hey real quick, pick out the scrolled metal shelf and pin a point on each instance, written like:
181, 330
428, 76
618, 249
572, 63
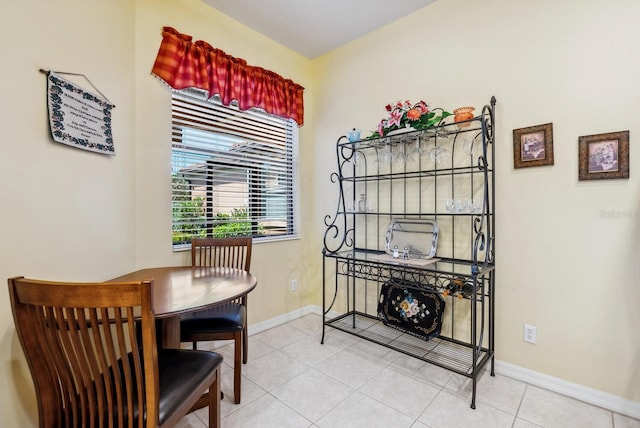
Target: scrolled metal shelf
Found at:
465, 269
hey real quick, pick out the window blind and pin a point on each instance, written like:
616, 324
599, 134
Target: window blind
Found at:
233, 172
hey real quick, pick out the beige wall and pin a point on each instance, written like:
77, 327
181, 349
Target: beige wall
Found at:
75, 215
566, 250
66, 213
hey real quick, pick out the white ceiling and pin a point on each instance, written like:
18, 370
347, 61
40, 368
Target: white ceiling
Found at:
314, 27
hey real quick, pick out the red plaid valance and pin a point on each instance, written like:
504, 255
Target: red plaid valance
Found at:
186, 64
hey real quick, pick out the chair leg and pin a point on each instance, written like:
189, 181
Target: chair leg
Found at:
214, 402
237, 365
195, 345
245, 345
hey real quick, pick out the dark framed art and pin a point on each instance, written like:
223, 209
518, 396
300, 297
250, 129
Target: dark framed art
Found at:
533, 146
603, 156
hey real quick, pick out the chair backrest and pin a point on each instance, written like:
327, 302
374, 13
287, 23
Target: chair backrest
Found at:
87, 363
223, 252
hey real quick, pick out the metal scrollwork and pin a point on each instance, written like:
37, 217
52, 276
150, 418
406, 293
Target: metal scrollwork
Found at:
482, 225
338, 233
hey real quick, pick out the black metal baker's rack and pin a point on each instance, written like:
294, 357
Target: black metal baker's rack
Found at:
443, 173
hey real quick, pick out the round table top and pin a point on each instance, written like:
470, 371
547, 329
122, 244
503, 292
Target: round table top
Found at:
182, 289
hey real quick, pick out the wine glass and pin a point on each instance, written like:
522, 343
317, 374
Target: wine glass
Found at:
417, 151
401, 156
439, 154
357, 158
385, 155
468, 145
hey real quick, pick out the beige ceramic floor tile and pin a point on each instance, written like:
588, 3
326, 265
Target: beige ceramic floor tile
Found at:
451, 410
403, 392
521, 423
265, 412
213, 345
312, 394
361, 411
310, 351
552, 410
621, 421
350, 368
339, 338
256, 350
372, 351
249, 392
273, 370
418, 424
311, 324
280, 336
497, 391
425, 371
191, 421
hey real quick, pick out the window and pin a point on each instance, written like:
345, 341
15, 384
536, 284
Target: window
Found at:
233, 172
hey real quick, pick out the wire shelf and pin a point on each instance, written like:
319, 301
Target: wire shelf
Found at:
451, 355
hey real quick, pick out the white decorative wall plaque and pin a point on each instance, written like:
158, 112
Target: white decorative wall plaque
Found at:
79, 118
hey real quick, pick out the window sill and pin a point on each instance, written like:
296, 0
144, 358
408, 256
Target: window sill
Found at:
256, 241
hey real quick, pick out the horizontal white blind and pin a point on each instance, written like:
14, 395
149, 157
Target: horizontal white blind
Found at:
232, 171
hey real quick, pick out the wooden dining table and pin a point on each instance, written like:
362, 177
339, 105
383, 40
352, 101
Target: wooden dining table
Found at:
180, 290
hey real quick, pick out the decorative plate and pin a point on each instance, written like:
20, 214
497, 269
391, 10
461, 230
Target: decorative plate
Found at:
412, 309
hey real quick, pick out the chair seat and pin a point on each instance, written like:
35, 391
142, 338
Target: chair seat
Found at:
219, 319
195, 369
179, 373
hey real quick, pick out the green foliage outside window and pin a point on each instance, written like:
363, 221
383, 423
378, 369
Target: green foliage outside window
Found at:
234, 224
190, 220
188, 213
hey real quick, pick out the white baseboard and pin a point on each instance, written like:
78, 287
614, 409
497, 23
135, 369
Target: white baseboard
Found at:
281, 319
573, 390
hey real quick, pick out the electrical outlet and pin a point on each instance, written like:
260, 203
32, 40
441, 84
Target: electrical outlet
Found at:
530, 333
294, 285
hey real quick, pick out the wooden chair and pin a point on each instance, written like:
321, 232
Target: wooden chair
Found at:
225, 322
91, 369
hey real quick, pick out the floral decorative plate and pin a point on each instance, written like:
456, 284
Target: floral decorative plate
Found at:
412, 309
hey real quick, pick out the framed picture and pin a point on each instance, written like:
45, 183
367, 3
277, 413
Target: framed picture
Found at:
603, 156
533, 146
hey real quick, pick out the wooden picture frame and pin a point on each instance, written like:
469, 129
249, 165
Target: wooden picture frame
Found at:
603, 156
533, 146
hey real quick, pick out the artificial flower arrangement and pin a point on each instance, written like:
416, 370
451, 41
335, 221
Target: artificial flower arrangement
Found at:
407, 115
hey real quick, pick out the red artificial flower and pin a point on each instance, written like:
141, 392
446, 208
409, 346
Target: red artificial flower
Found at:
414, 114
403, 113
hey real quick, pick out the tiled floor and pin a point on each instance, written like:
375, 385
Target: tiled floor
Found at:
291, 380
